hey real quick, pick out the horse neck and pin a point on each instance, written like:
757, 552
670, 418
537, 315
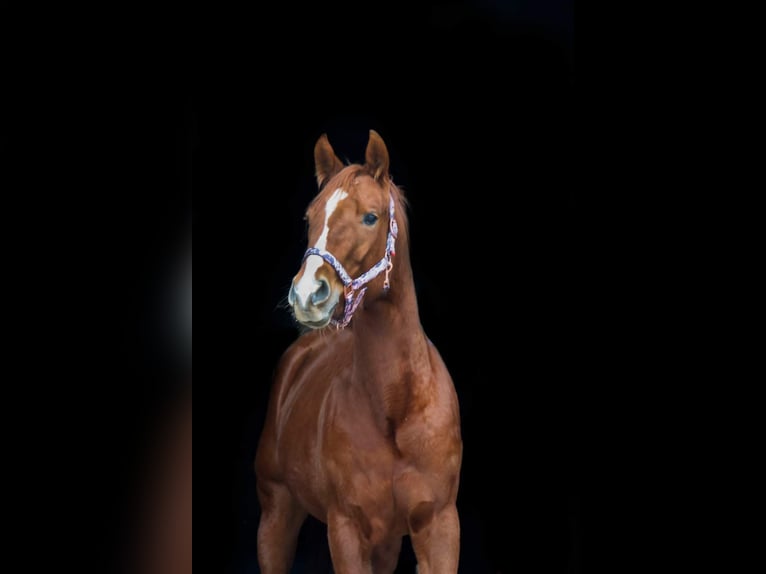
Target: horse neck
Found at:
390, 346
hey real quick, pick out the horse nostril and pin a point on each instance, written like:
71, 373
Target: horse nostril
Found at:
291, 294
322, 293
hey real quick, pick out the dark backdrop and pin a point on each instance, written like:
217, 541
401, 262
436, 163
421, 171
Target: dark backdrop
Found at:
476, 103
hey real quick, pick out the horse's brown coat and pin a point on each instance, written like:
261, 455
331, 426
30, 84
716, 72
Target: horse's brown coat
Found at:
363, 426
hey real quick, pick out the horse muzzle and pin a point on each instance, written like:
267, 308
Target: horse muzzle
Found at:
314, 304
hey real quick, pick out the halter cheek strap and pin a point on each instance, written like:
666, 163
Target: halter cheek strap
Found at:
354, 289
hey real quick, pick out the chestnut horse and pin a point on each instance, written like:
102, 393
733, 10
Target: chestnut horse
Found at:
363, 426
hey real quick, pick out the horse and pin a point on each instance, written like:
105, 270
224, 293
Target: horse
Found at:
362, 429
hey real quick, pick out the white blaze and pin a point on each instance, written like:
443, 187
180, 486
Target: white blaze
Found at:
308, 282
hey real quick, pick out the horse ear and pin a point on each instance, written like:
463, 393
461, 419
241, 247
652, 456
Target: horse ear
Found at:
326, 162
376, 156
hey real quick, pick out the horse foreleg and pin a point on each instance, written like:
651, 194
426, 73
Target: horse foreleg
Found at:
281, 520
435, 538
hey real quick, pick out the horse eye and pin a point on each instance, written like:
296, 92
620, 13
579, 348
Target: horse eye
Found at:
369, 219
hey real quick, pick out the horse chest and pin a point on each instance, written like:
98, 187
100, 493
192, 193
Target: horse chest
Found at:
341, 454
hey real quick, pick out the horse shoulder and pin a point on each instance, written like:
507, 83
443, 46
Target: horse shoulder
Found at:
440, 415
430, 439
290, 376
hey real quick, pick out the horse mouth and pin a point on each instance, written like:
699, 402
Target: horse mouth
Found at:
316, 324
322, 322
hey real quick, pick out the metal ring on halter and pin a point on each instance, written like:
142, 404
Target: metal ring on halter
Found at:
386, 283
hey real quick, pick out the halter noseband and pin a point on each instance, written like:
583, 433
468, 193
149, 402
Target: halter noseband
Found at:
354, 289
